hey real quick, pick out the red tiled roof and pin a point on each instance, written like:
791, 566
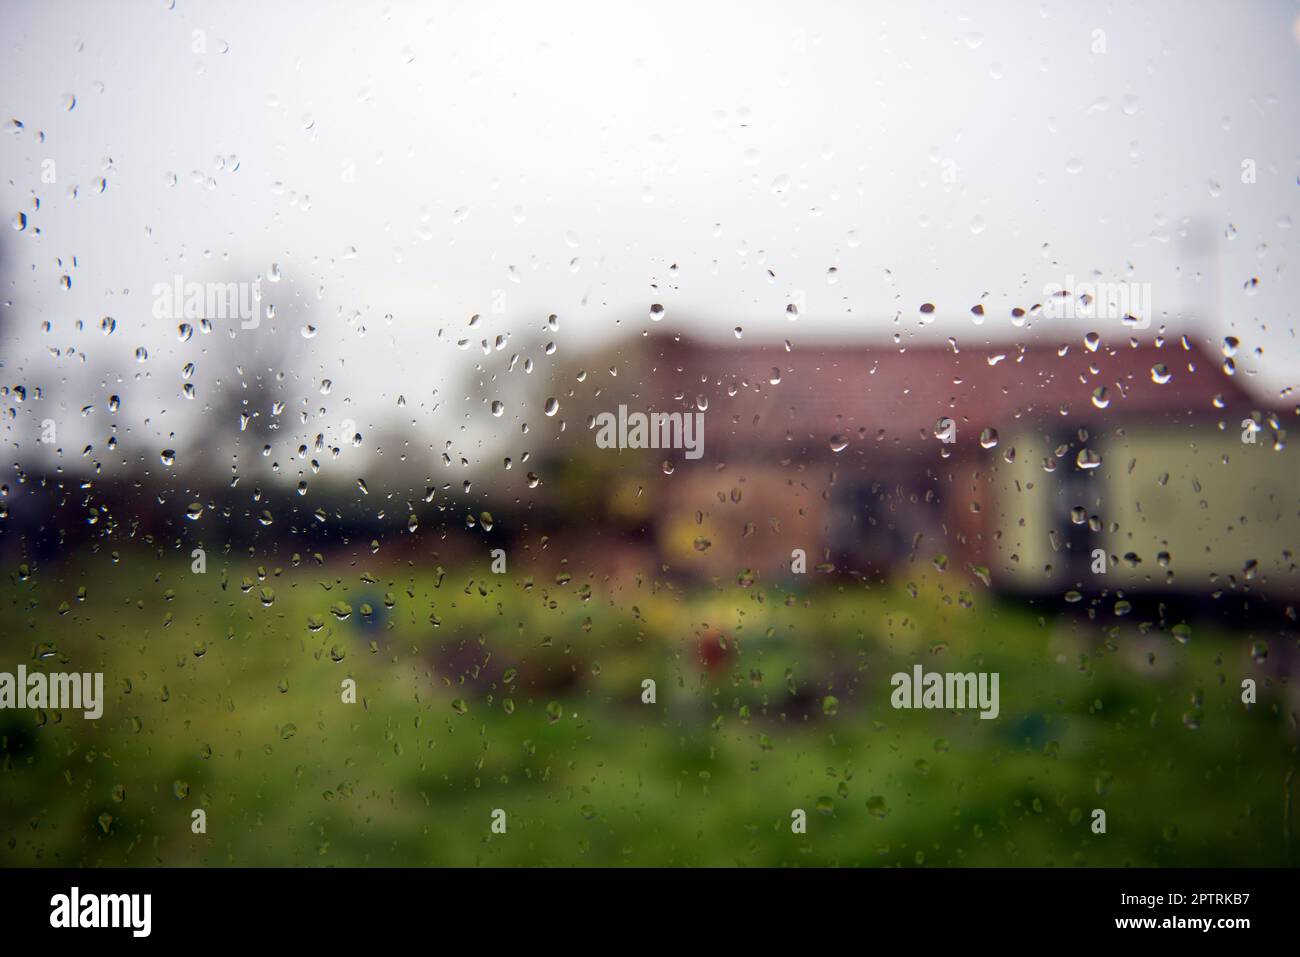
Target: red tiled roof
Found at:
892, 398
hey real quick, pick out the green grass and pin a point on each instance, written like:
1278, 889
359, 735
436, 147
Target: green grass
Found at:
218, 701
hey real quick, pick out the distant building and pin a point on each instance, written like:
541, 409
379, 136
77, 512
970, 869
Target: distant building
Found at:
1019, 464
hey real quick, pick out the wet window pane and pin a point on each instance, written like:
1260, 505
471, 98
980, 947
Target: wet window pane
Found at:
668, 434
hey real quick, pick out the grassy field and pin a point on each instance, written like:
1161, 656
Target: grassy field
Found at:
478, 692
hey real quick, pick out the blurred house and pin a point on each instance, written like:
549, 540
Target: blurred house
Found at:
1013, 464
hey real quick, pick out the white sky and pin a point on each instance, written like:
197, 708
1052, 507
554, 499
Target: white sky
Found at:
558, 158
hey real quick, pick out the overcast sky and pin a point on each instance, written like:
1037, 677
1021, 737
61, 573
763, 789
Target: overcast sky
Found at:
405, 166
